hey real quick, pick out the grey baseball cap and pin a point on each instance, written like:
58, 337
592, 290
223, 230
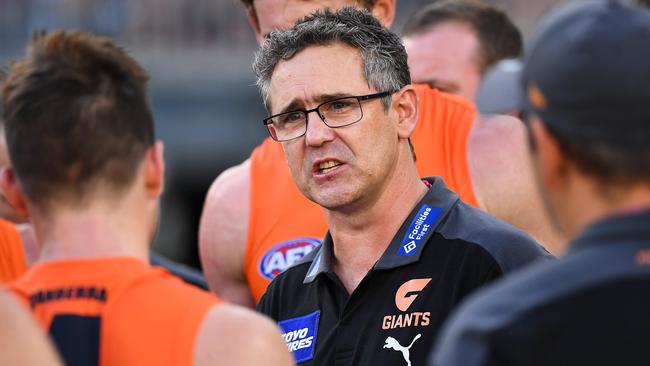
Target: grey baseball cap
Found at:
500, 91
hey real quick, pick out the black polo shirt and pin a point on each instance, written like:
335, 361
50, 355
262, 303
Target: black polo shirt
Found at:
592, 307
443, 251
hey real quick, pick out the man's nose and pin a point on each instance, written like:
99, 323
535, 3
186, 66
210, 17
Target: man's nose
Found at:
317, 131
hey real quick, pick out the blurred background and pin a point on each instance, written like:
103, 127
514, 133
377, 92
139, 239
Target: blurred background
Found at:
198, 53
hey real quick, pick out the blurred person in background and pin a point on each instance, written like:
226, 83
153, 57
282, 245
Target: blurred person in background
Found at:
13, 260
6, 211
585, 85
93, 200
499, 90
18, 247
256, 223
22, 341
400, 252
451, 43
266, 16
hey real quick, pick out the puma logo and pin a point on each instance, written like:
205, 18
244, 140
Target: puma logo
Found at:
406, 351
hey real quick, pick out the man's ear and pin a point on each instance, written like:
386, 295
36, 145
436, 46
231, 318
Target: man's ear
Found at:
405, 102
553, 167
384, 11
252, 20
154, 170
13, 192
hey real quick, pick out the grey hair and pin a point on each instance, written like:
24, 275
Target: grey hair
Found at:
384, 58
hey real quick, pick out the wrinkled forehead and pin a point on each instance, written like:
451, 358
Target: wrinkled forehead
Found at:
315, 74
283, 14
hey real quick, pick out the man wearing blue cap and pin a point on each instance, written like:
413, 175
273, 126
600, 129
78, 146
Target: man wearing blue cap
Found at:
586, 88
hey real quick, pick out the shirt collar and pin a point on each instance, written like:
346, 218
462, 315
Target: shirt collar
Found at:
627, 227
322, 260
431, 211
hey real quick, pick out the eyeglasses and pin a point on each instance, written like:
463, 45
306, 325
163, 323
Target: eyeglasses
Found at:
335, 113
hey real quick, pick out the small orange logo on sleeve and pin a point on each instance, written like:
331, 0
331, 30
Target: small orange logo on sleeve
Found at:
408, 292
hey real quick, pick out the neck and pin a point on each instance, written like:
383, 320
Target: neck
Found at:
601, 205
92, 232
361, 236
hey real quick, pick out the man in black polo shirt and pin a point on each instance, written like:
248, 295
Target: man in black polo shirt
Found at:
400, 252
587, 85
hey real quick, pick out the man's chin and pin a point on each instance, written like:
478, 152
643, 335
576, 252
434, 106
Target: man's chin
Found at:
333, 200
331, 195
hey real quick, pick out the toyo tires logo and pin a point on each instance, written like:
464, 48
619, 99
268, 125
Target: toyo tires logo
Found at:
283, 255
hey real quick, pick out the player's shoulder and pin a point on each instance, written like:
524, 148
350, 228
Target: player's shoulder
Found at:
537, 288
10, 237
267, 150
430, 96
509, 247
159, 283
498, 135
224, 206
519, 288
230, 319
468, 333
7, 226
233, 335
231, 179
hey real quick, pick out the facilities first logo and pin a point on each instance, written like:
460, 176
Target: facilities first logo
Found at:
418, 230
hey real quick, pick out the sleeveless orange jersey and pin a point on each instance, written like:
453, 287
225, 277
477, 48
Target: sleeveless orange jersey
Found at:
283, 225
115, 311
12, 257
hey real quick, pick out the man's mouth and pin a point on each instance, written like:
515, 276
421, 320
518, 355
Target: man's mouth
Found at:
327, 166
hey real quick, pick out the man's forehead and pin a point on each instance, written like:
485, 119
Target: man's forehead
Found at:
453, 34
283, 14
449, 46
317, 70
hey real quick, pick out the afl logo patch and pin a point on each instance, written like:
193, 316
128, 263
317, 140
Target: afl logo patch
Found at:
283, 255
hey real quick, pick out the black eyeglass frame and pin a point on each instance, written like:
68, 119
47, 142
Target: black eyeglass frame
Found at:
268, 120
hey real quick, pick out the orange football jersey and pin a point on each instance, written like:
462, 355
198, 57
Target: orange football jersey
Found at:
115, 311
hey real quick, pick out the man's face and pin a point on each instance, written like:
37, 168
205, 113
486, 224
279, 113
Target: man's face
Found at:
283, 14
345, 166
7, 212
545, 156
447, 58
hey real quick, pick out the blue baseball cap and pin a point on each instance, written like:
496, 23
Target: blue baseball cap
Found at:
586, 72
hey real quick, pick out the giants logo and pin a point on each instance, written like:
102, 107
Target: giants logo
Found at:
283, 255
404, 298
